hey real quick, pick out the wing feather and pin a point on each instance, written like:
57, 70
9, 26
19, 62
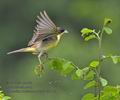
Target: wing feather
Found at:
42, 21
44, 18
44, 27
47, 17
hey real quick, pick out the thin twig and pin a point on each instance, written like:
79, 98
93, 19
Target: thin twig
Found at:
98, 70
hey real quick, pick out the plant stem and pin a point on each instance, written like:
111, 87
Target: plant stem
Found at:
98, 70
100, 50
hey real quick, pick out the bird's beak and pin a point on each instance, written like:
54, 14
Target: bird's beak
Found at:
65, 31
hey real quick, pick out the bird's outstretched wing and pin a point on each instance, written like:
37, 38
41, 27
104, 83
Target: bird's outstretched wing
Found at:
44, 27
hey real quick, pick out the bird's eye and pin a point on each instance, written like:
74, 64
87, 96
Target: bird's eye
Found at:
62, 30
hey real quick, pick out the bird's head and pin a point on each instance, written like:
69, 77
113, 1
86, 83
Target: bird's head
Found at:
61, 31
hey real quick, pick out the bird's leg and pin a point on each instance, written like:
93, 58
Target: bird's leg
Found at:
39, 69
46, 55
39, 57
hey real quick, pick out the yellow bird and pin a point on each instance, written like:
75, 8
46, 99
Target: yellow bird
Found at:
46, 35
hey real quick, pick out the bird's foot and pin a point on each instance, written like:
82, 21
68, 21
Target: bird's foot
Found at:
39, 70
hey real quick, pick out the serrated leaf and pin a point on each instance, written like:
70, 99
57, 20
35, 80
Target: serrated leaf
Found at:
92, 36
94, 64
86, 31
90, 84
103, 81
107, 21
108, 30
88, 96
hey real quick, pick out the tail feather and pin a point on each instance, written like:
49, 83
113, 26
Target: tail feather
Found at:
28, 49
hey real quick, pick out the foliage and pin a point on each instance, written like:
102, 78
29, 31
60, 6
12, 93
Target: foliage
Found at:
61, 65
3, 96
18, 20
91, 73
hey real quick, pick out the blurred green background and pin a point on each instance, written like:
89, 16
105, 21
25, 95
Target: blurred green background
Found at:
17, 21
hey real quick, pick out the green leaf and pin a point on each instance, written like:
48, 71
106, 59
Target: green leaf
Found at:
107, 21
84, 74
90, 84
110, 90
108, 97
103, 81
115, 59
1, 91
67, 68
6, 98
108, 30
3, 97
86, 70
89, 75
56, 64
88, 96
90, 37
75, 77
111, 93
61, 65
86, 31
1, 94
77, 74
87, 34
94, 64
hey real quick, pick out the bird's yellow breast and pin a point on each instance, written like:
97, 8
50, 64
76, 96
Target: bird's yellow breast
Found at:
51, 42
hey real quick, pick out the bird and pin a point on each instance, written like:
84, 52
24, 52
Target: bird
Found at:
46, 35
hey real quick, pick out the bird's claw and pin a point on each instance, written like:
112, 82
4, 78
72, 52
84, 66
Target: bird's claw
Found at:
39, 69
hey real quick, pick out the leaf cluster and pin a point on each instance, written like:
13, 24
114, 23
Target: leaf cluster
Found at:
3, 96
91, 72
89, 34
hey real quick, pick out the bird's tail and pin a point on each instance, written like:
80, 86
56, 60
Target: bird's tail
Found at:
28, 49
